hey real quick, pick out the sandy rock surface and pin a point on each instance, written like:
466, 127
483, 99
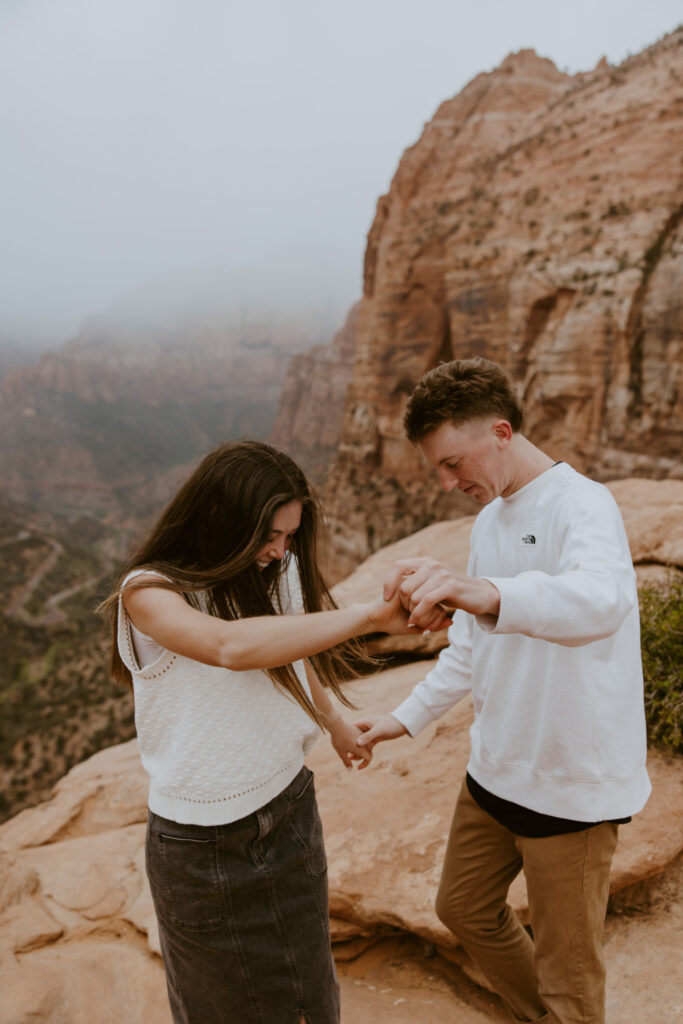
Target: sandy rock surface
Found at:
78, 940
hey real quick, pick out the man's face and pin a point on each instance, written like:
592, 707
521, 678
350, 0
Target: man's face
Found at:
470, 457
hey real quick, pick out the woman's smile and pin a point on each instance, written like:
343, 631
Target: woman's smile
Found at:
286, 522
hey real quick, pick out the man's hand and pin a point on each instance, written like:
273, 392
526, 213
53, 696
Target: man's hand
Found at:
376, 728
344, 738
431, 591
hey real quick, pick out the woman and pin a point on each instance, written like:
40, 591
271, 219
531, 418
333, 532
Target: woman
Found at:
226, 708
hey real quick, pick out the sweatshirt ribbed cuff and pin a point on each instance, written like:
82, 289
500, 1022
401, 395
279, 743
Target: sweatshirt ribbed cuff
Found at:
413, 715
515, 606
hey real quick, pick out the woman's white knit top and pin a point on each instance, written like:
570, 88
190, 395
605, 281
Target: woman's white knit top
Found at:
216, 744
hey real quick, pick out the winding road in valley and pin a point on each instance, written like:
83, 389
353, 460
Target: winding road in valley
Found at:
23, 594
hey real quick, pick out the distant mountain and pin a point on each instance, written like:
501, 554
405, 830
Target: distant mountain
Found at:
101, 423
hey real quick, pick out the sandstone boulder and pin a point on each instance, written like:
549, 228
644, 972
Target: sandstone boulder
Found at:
653, 516
107, 791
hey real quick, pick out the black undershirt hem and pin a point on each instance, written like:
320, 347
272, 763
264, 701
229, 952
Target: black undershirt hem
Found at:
524, 822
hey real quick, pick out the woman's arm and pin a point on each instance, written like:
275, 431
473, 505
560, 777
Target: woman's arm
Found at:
264, 641
343, 735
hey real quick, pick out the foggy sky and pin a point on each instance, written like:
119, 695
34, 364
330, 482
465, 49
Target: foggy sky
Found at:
208, 149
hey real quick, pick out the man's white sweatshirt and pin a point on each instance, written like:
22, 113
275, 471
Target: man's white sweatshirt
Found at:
556, 679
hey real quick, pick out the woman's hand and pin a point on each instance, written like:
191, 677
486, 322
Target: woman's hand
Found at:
343, 735
387, 615
344, 739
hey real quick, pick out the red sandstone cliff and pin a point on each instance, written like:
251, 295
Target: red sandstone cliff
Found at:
313, 398
537, 221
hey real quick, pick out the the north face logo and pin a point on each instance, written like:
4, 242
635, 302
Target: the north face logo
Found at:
528, 538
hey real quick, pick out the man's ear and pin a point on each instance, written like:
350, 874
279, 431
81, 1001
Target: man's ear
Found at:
502, 432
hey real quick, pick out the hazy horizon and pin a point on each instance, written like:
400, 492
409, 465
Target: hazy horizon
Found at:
167, 156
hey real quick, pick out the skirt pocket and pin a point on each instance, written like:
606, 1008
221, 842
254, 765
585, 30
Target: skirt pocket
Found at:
185, 879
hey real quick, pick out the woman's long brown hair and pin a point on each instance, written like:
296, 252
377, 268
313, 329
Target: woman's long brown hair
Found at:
207, 539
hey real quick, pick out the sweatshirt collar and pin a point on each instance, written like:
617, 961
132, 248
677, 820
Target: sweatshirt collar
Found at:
531, 486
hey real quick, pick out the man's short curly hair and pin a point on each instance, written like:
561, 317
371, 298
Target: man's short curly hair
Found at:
462, 390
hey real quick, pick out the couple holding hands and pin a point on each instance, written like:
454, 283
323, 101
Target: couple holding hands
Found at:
231, 692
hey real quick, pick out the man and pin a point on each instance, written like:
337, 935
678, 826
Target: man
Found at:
546, 636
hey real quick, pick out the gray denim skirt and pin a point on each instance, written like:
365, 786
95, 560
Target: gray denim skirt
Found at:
243, 914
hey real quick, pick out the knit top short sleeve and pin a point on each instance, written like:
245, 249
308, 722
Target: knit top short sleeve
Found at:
216, 744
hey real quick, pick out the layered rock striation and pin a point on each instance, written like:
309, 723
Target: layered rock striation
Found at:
537, 222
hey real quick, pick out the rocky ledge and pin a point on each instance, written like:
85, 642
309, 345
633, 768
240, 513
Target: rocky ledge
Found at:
78, 936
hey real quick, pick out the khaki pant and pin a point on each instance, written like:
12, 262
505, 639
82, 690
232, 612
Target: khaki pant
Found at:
559, 977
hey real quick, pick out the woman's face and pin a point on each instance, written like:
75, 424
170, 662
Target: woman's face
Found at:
285, 523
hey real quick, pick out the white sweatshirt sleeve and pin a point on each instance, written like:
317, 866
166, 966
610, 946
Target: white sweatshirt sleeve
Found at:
593, 590
448, 682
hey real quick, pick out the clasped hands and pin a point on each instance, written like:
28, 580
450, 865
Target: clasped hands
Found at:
431, 593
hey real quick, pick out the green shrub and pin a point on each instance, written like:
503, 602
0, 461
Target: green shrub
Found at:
661, 630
